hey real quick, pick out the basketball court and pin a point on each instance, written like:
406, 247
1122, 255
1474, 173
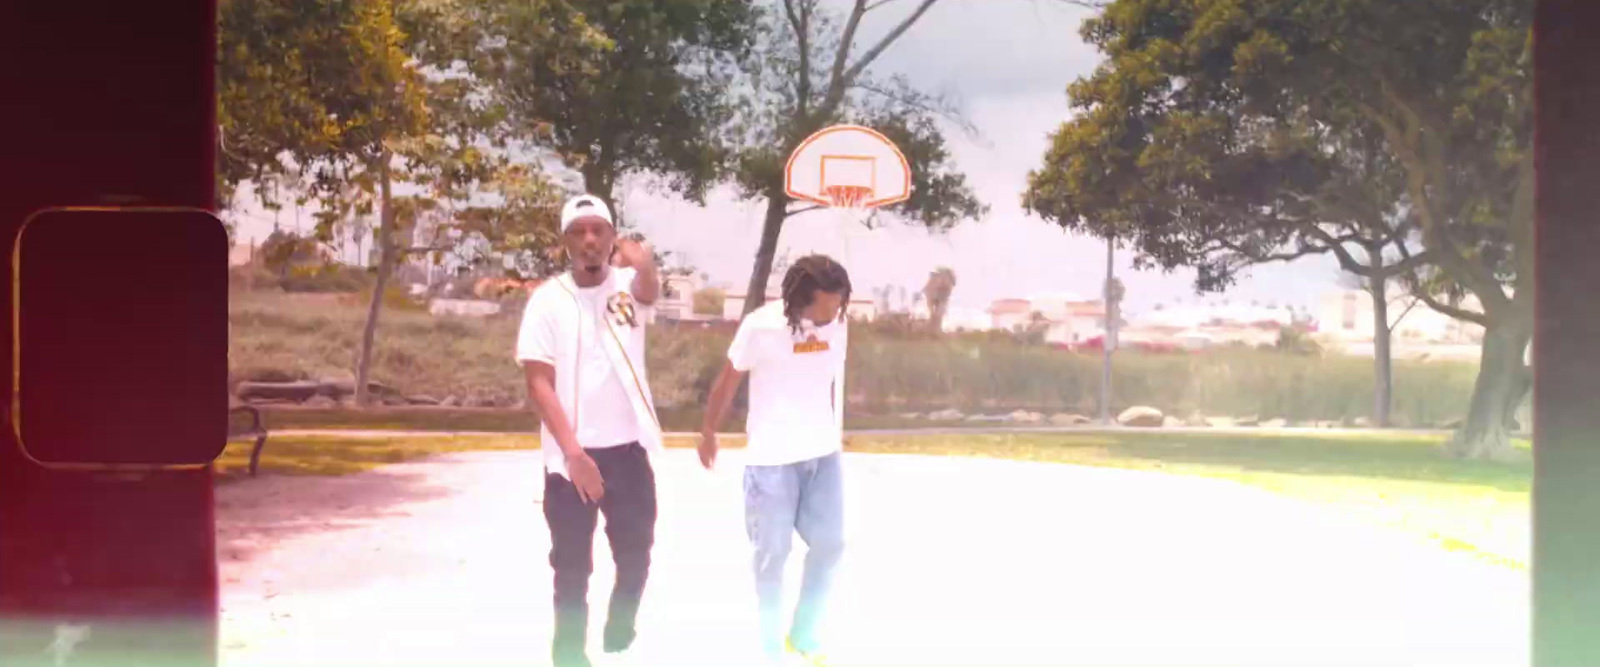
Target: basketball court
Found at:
950, 562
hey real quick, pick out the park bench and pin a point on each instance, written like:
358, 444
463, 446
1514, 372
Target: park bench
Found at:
244, 422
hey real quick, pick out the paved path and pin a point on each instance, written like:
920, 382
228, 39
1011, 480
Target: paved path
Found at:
952, 562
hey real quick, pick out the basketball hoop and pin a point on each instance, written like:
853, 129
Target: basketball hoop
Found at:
851, 170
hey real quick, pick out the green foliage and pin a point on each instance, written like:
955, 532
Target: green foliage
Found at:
333, 98
1225, 133
1293, 340
284, 252
639, 87
1248, 127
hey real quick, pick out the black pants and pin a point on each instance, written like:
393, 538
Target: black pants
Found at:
629, 506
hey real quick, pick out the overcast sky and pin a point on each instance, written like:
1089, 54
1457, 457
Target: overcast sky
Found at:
1008, 62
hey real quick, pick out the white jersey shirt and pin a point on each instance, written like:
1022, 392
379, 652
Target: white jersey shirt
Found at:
796, 385
595, 339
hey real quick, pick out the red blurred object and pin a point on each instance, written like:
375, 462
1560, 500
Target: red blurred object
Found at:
111, 105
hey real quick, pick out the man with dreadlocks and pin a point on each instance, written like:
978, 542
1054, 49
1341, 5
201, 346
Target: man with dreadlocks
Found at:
794, 351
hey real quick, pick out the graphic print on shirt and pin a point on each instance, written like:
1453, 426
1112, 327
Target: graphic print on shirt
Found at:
621, 310
806, 342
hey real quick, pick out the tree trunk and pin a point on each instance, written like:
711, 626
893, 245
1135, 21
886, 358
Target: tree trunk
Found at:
385, 250
1501, 384
597, 181
1382, 354
777, 212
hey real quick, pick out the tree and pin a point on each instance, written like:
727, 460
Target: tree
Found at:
1377, 285
647, 94
373, 99
1269, 129
941, 282
808, 74
283, 253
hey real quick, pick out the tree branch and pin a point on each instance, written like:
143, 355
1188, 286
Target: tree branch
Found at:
1421, 292
919, 103
842, 77
836, 81
1256, 257
1448, 310
1522, 235
1404, 313
799, 20
1408, 263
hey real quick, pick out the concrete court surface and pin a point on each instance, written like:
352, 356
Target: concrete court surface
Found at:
950, 562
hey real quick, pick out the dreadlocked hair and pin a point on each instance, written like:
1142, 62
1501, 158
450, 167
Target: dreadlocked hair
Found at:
805, 278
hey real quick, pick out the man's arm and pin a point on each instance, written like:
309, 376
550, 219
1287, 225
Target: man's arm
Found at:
647, 282
721, 398
542, 390
637, 255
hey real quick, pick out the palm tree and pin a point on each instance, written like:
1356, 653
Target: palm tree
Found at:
941, 282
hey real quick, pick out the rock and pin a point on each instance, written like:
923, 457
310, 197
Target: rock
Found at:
280, 391
478, 401
1141, 416
392, 400
1025, 417
1248, 422
1361, 422
422, 399
338, 388
1197, 420
269, 375
1220, 422
1274, 423
450, 402
322, 402
1172, 422
947, 416
1068, 419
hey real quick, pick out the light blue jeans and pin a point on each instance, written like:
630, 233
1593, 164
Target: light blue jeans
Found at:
805, 497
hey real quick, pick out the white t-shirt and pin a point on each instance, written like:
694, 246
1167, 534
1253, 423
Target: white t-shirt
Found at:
563, 326
796, 386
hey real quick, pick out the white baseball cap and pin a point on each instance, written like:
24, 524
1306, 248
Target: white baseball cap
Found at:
584, 206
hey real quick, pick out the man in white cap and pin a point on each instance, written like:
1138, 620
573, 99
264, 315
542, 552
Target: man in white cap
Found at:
582, 345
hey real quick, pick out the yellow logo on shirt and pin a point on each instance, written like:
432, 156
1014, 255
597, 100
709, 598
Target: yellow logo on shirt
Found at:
810, 345
620, 306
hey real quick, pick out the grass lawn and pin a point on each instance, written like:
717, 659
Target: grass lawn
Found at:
340, 455
1481, 508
